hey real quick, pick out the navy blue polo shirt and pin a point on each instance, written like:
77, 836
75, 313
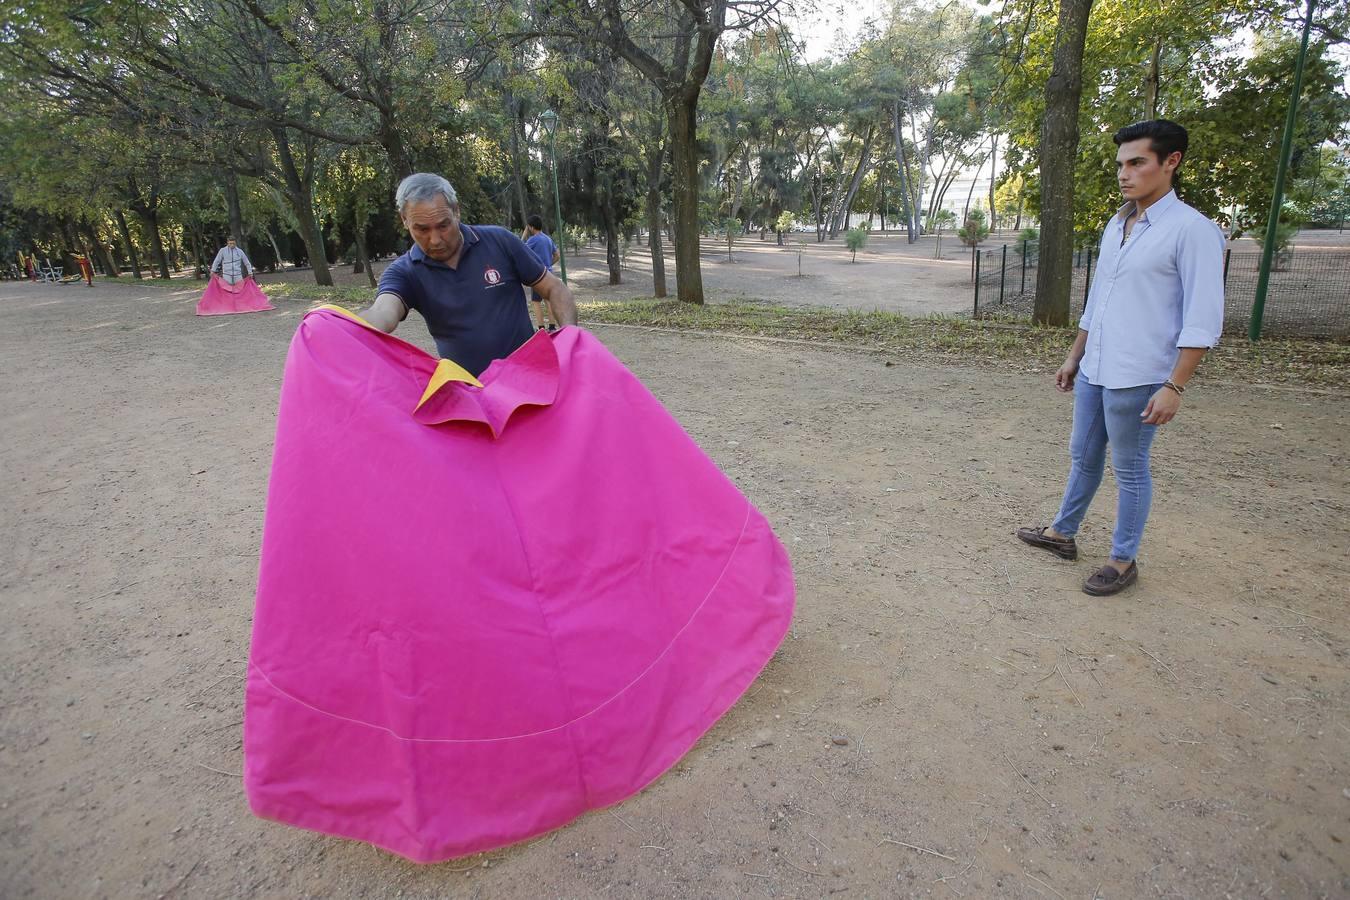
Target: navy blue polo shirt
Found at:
475, 312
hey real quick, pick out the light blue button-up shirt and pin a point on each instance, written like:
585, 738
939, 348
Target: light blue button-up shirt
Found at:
1161, 290
233, 263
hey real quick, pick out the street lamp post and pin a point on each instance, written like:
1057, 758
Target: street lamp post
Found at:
550, 120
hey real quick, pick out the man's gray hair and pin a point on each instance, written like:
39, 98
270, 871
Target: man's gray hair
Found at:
423, 187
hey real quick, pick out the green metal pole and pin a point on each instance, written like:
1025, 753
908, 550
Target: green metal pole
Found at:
557, 203
1023, 288
1003, 274
1277, 199
976, 265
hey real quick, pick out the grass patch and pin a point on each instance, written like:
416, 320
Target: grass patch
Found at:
939, 338
350, 296
1023, 346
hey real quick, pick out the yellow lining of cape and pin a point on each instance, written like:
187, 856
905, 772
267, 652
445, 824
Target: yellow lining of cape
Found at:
447, 370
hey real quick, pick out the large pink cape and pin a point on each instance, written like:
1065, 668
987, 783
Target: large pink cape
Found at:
222, 299
485, 610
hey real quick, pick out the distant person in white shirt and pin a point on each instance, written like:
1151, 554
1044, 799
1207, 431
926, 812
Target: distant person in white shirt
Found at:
232, 264
1155, 307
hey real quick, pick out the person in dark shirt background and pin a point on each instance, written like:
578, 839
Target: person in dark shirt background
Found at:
543, 247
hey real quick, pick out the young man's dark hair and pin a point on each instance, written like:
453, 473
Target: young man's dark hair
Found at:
1165, 137
536, 222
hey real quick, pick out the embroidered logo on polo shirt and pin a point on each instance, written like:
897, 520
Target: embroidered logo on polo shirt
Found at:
492, 276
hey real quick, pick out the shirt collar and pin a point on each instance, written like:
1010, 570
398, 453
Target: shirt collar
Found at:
1151, 214
468, 233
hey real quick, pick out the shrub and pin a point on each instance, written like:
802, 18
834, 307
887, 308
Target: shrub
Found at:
976, 229
855, 239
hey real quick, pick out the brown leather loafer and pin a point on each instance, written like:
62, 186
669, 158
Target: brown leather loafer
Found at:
1107, 581
1065, 548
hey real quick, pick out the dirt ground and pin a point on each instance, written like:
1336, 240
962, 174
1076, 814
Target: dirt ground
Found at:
889, 274
1007, 735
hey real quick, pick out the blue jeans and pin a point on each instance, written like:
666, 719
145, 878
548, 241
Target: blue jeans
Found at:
1112, 416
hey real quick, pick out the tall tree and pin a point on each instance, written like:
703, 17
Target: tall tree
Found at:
1058, 151
672, 46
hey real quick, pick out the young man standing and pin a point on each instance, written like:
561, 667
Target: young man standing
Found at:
1155, 307
231, 263
542, 246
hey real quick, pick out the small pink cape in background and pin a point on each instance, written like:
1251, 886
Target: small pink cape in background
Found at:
484, 610
223, 299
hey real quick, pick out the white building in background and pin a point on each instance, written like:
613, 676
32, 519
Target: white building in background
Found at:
971, 185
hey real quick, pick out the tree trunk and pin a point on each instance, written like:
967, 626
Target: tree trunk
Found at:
233, 210
680, 111
72, 245
100, 252
881, 187
921, 156
1059, 151
150, 217
517, 173
611, 240
818, 203
205, 253
115, 253
195, 247
841, 217
940, 196
836, 198
817, 206
276, 251
1151, 81
112, 251
993, 180
301, 198
388, 136
970, 194
362, 257
131, 245
742, 174
654, 158
387, 133
906, 196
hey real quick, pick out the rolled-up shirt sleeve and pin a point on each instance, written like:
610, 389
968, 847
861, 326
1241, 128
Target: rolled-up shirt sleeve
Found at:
396, 279
1086, 317
1200, 249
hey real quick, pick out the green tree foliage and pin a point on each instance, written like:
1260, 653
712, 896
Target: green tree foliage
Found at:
975, 230
1177, 60
148, 130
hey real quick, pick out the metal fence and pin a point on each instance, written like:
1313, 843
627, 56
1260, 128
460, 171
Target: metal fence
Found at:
1308, 296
